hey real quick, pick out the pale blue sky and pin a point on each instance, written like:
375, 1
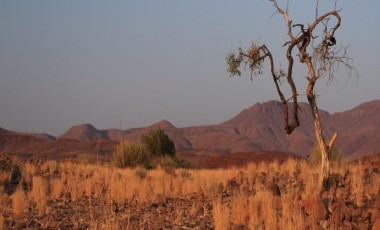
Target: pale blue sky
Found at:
125, 64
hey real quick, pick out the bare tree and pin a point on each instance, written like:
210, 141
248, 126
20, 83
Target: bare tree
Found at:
316, 46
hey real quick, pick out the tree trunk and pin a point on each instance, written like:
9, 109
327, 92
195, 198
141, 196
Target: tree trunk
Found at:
325, 163
325, 150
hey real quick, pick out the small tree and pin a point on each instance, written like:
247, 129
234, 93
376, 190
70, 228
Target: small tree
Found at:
316, 47
158, 143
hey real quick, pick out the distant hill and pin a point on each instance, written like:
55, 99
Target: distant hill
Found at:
39, 135
32, 145
84, 132
359, 129
255, 129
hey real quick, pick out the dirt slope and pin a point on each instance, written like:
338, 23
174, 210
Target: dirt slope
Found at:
258, 128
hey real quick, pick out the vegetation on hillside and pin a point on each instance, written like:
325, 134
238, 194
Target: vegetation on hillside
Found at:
154, 149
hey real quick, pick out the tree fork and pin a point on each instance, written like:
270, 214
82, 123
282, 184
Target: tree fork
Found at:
320, 62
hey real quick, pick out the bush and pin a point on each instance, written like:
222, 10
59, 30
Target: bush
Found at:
167, 162
158, 143
155, 149
335, 156
131, 154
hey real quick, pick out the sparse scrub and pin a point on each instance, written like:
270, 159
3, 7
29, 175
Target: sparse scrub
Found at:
257, 196
155, 149
335, 157
131, 154
57, 188
19, 201
221, 215
39, 193
170, 163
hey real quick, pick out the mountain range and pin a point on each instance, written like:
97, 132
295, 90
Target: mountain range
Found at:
255, 129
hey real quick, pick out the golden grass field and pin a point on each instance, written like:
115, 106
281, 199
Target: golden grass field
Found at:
79, 195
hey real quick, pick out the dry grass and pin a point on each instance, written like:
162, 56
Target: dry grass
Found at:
1, 221
19, 201
5, 175
39, 193
251, 200
221, 215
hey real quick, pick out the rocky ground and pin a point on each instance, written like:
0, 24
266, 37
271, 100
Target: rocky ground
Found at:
89, 213
337, 206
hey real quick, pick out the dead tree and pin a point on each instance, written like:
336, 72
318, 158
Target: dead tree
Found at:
315, 44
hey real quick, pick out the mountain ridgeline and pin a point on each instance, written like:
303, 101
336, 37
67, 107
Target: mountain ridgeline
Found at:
258, 128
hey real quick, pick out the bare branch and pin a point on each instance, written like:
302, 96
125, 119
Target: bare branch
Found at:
287, 7
316, 9
332, 141
322, 58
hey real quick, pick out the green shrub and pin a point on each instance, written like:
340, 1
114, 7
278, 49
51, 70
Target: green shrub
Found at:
167, 162
158, 143
155, 149
131, 154
335, 157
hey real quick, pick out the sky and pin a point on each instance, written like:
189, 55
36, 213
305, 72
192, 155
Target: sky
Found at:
126, 64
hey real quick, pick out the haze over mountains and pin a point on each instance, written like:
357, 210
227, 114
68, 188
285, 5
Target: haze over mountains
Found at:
258, 128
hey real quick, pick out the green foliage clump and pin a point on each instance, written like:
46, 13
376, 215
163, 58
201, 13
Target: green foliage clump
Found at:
158, 143
233, 64
154, 149
335, 157
131, 154
173, 162
253, 58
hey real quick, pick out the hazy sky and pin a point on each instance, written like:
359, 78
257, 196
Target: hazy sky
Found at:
125, 64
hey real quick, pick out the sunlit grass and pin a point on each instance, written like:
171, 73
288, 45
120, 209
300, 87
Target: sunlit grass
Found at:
239, 196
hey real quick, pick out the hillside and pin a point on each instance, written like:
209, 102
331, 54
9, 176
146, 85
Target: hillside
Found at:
255, 129
27, 146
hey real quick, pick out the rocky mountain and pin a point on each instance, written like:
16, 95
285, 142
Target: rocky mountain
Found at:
84, 132
359, 129
258, 128
31, 145
39, 135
